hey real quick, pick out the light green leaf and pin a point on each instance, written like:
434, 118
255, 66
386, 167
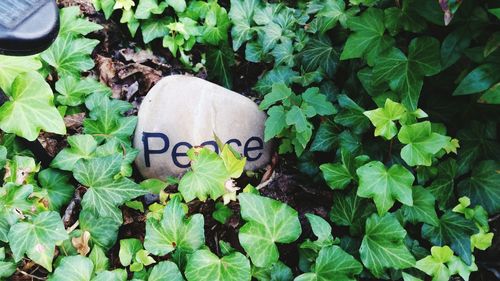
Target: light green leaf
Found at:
421, 143
73, 91
71, 22
453, 230
333, 264
296, 117
383, 245
7, 269
457, 266
318, 101
99, 259
80, 147
434, 264
203, 265
385, 185
30, 108
165, 271
174, 231
268, 222
105, 193
73, 268
178, 5
206, 177
128, 249
38, 238
383, 118
11, 67
154, 28
422, 209
103, 230
275, 123
241, 15
115, 275
216, 26
279, 92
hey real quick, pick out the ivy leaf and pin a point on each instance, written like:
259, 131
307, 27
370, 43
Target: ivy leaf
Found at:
478, 80
99, 259
351, 115
268, 221
333, 264
405, 74
73, 91
106, 118
105, 193
203, 265
320, 54
422, 209
30, 108
72, 23
154, 28
337, 175
70, 56
206, 177
56, 184
174, 231
11, 67
216, 26
350, 210
385, 185
318, 101
13, 198
421, 143
117, 274
453, 230
241, 15
165, 271
434, 264
103, 230
277, 271
326, 137
383, 245
383, 118
297, 117
483, 187
275, 123
368, 40
405, 18
73, 268
276, 75
279, 92
219, 63
80, 147
37, 238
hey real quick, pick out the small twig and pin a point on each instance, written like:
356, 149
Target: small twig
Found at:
73, 227
30, 275
71, 206
265, 183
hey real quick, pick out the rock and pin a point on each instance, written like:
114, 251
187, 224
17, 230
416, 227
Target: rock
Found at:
183, 111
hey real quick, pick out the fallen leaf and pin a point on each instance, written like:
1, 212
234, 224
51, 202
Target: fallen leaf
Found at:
81, 243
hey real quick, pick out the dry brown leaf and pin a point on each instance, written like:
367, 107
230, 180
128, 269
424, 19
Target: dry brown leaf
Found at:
81, 243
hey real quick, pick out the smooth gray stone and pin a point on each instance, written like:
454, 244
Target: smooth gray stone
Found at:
183, 110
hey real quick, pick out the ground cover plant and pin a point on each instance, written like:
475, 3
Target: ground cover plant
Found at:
384, 114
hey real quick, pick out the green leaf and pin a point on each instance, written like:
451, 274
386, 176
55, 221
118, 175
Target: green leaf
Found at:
453, 230
318, 101
405, 18
326, 137
405, 74
483, 187
319, 54
280, 74
178, 5
336, 175
70, 56
128, 249
115, 275
37, 238
222, 213
278, 271
478, 80
279, 92
206, 177
442, 187
241, 15
492, 95
422, 209
71, 22
203, 265
56, 184
80, 147
351, 115
421, 143
30, 108
216, 26
275, 123
368, 40
219, 63
383, 245
297, 117
333, 264
320, 228
454, 45
103, 230
105, 193
385, 185
99, 259
7, 269
11, 67
268, 222
154, 28
73, 268
383, 118
165, 271
434, 264
174, 231
350, 210
73, 91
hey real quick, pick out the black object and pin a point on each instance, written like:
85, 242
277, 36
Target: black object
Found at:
27, 27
